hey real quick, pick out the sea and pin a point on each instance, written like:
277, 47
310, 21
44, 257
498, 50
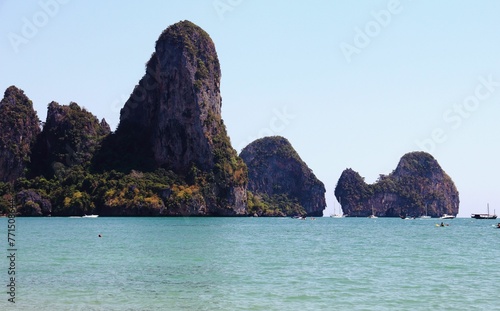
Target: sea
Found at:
208, 263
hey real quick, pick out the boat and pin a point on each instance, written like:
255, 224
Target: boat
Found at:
335, 215
425, 216
442, 225
373, 214
446, 216
90, 216
485, 216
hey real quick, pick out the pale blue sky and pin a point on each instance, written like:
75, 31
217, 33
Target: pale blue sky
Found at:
350, 83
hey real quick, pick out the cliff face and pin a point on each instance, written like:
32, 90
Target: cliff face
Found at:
19, 126
279, 177
71, 136
172, 120
418, 186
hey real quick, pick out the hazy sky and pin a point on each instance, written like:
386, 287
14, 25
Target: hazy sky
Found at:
351, 84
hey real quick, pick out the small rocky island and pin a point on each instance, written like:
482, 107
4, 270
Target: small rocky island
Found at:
280, 183
417, 187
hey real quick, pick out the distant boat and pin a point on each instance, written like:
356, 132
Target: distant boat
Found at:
90, 216
335, 215
446, 216
485, 216
373, 214
425, 216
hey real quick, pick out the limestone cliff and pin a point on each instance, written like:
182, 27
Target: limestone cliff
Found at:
19, 126
71, 136
172, 120
279, 177
417, 186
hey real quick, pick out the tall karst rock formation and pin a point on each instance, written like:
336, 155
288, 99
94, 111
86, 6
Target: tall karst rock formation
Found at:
19, 126
172, 120
418, 186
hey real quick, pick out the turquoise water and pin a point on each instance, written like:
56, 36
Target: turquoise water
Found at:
253, 264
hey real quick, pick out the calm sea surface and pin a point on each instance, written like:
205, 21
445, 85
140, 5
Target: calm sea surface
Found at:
252, 264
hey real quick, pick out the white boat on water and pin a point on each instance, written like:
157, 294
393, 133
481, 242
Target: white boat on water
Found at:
446, 216
425, 216
373, 214
335, 215
90, 216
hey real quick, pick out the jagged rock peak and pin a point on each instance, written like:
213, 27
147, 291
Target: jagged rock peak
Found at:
417, 187
14, 96
277, 174
71, 136
73, 115
19, 126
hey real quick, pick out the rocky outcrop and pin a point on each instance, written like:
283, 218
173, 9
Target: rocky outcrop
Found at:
418, 186
31, 203
278, 176
71, 136
172, 120
19, 126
